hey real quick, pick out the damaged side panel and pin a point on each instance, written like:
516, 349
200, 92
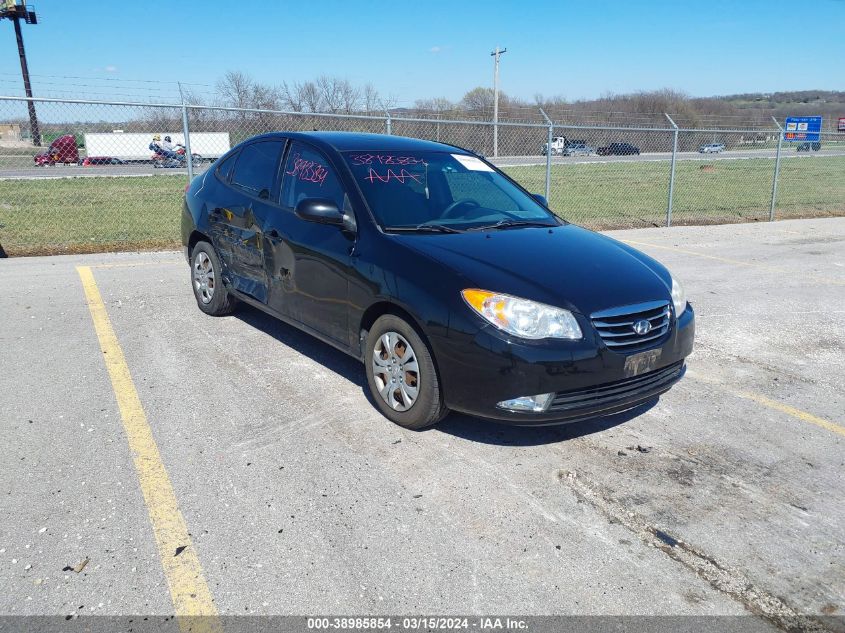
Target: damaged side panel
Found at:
236, 235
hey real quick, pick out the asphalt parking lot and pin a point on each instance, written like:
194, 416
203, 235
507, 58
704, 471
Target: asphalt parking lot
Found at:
134, 425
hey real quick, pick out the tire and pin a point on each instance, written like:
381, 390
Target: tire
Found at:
386, 358
206, 271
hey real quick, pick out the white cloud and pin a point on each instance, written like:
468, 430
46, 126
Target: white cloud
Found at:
110, 69
435, 49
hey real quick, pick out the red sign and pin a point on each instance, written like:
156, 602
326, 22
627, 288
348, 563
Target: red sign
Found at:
842, 124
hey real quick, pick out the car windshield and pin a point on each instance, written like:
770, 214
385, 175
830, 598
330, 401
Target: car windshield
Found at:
439, 191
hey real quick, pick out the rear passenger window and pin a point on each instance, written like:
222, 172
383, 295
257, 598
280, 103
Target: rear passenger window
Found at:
309, 175
256, 168
225, 167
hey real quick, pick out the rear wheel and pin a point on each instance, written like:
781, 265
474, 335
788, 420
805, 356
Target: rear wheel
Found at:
401, 374
207, 283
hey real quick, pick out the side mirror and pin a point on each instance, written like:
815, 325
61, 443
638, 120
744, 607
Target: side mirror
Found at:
541, 199
319, 210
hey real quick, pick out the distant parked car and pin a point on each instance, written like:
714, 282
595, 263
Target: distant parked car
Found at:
579, 150
806, 147
712, 148
61, 150
101, 160
560, 144
618, 149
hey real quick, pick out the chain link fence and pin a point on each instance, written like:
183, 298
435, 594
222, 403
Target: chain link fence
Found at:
110, 175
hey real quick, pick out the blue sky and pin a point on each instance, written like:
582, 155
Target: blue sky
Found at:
574, 48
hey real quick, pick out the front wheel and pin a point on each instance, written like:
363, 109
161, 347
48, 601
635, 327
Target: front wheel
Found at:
207, 283
401, 374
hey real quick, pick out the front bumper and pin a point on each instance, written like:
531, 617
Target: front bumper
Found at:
480, 369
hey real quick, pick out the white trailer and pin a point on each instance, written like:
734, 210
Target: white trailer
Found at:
136, 146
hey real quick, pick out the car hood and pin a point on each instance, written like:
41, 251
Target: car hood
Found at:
566, 266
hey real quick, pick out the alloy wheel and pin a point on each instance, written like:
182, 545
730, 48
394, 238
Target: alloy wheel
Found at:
395, 371
204, 280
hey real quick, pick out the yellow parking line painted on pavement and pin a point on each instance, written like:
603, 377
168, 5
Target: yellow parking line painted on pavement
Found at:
189, 591
739, 262
794, 412
682, 250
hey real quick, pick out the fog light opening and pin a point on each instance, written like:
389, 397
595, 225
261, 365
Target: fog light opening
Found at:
530, 404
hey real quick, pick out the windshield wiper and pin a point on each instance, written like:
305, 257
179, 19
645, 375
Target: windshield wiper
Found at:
507, 223
425, 227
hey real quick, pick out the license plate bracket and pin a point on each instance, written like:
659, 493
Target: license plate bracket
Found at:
642, 362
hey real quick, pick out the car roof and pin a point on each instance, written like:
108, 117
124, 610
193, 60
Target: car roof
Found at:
351, 141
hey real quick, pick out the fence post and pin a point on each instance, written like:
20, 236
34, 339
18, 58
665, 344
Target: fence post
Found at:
548, 155
671, 172
388, 124
777, 170
189, 159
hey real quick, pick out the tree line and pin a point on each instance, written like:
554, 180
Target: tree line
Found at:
336, 95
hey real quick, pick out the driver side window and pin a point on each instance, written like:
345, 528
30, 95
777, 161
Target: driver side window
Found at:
308, 174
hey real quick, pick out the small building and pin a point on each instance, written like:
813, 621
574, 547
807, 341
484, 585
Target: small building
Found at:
10, 132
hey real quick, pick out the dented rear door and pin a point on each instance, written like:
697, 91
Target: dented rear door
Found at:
237, 219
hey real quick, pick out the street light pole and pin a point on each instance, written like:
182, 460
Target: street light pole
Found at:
15, 12
496, 54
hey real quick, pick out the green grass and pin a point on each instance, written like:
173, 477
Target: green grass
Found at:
99, 213
618, 195
90, 214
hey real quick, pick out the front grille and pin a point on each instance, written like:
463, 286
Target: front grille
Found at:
615, 392
616, 326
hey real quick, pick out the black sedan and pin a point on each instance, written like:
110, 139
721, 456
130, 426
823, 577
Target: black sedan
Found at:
618, 149
458, 289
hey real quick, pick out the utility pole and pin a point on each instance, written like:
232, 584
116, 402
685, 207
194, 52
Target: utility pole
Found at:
496, 54
16, 12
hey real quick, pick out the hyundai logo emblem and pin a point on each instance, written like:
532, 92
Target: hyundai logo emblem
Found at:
642, 327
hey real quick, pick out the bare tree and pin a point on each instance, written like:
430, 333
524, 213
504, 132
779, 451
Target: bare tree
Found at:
481, 99
291, 96
264, 97
330, 92
310, 95
236, 89
350, 96
389, 102
371, 98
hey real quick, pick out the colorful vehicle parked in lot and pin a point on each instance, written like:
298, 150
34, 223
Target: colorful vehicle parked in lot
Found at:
63, 150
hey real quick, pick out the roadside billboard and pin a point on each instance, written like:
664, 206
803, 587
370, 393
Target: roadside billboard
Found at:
803, 128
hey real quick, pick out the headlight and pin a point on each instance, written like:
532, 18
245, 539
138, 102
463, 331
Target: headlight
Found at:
521, 317
679, 297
